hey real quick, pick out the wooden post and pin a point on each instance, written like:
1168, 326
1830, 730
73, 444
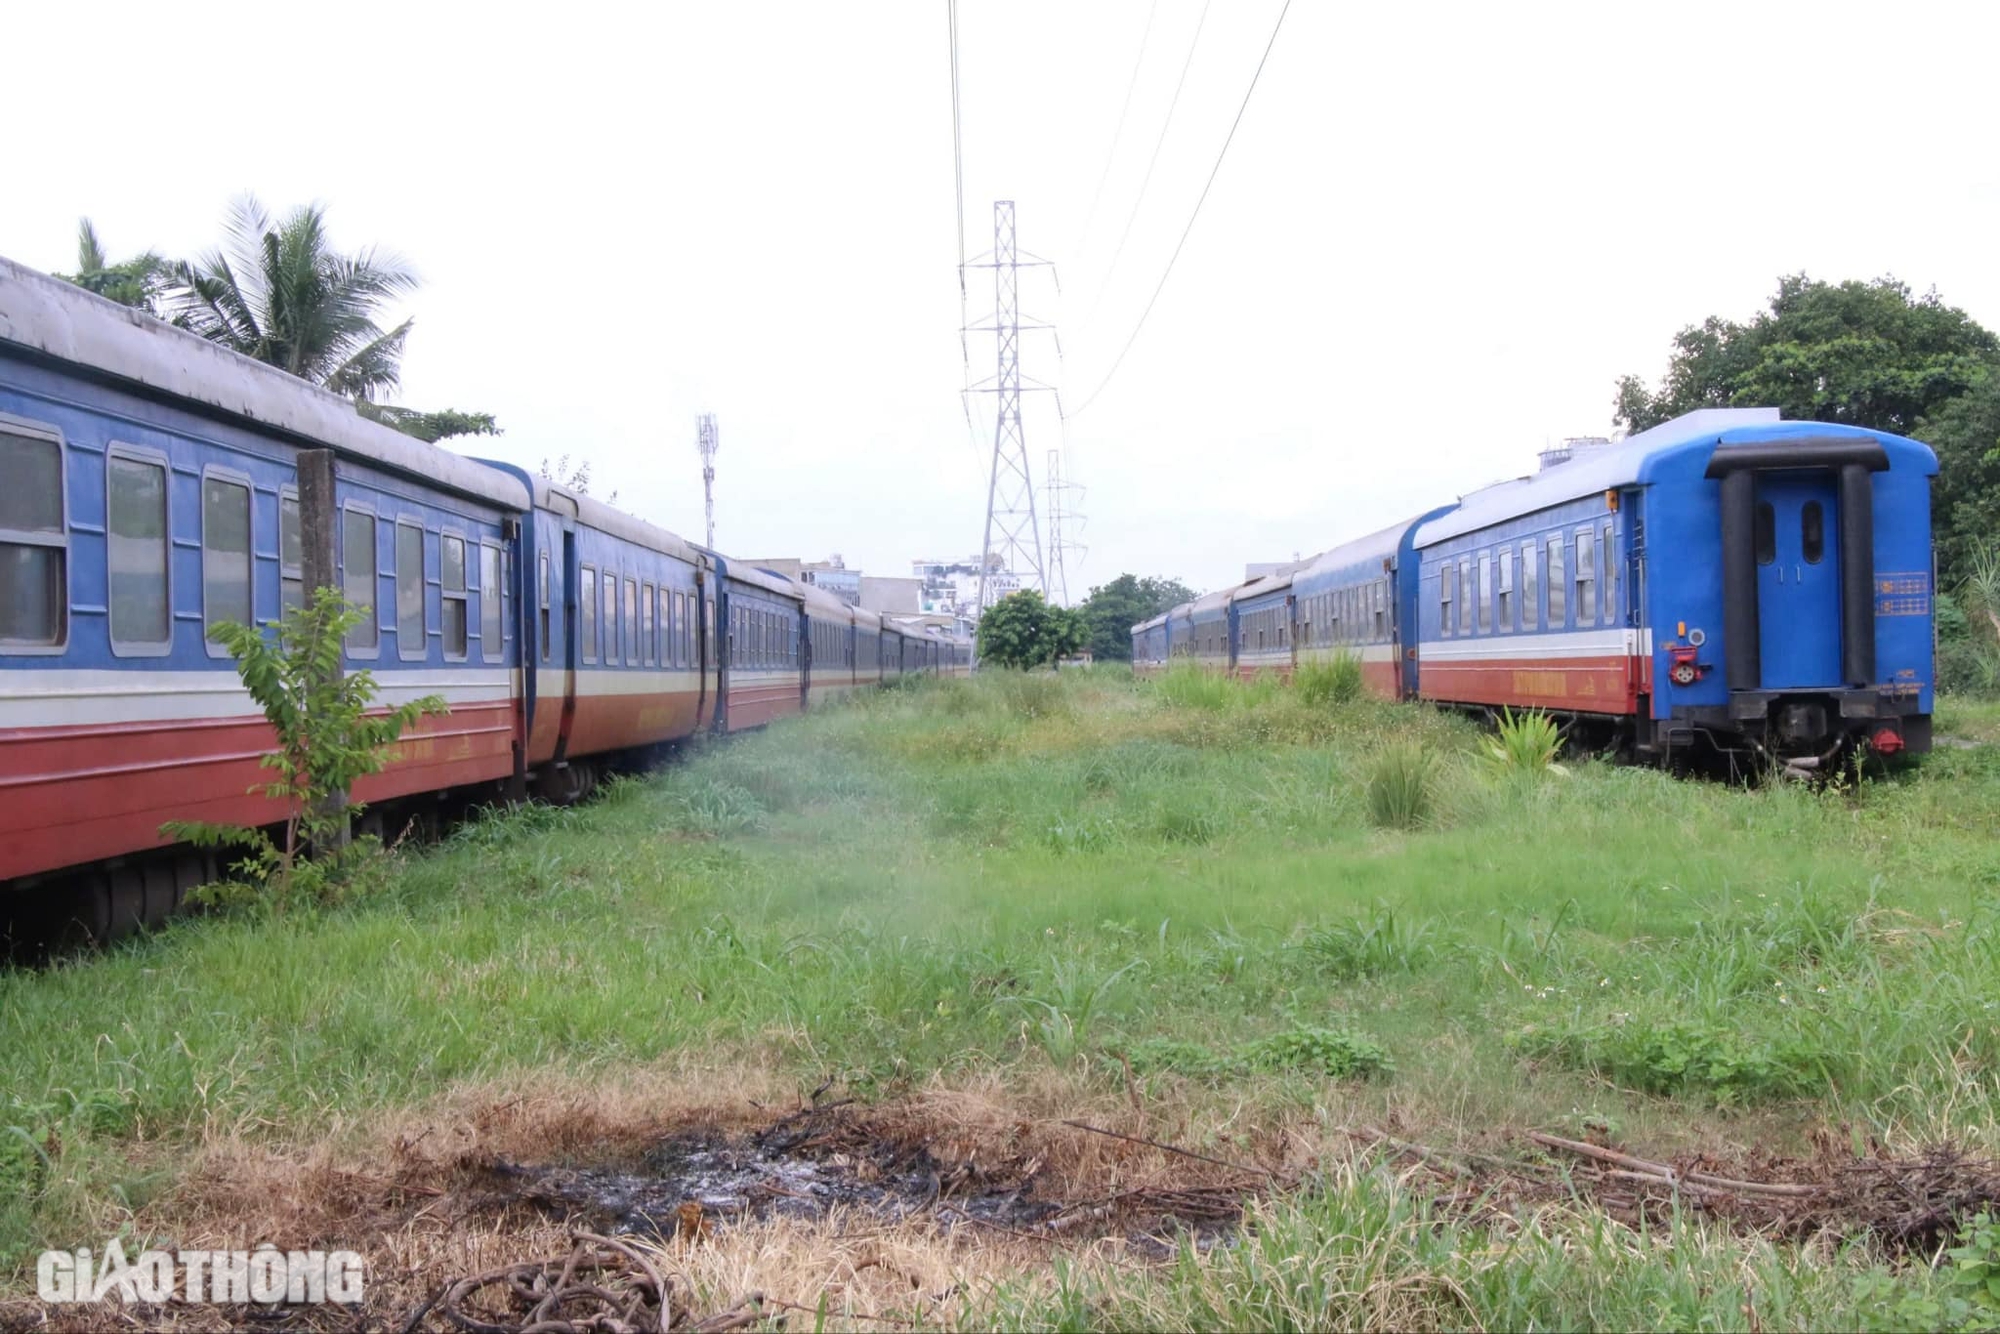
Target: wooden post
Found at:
319, 522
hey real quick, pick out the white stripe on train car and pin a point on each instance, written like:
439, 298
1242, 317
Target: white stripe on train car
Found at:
1563, 644
67, 698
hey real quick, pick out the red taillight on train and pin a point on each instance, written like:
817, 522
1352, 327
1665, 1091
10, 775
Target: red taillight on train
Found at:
1682, 667
1886, 741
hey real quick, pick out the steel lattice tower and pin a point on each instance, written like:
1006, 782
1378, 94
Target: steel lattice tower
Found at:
1012, 534
1064, 523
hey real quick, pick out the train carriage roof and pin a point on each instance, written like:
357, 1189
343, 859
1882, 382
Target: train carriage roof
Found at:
1263, 586
1216, 603
51, 319
1678, 448
1339, 566
596, 514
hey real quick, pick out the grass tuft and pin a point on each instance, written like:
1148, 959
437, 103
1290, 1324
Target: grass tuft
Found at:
1399, 787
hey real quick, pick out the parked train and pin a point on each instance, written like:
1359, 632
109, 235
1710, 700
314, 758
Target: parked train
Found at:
1725, 579
156, 485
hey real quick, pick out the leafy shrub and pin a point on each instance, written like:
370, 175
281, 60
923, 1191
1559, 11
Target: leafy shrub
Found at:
1331, 680
1679, 1056
329, 736
1335, 1053
1155, 1055
1370, 946
1963, 1297
1399, 787
1528, 743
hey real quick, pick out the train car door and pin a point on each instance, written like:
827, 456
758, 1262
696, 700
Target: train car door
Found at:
1797, 538
700, 633
571, 576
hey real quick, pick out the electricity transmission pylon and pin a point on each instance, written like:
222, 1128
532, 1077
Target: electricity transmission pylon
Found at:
1064, 523
1012, 539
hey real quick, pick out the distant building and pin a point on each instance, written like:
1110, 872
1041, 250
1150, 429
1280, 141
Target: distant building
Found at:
830, 574
890, 595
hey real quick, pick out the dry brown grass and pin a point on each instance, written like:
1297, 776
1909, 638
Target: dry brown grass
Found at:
417, 1196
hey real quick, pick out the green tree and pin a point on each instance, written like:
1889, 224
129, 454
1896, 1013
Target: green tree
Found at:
328, 737
134, 282
1965, 501
1113, 609
1862, 354
279, 292
1022, 630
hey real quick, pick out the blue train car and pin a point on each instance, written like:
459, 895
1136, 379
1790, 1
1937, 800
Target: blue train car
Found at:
1758, 585
1261, 625
152, 493
1149, 645
1355, 600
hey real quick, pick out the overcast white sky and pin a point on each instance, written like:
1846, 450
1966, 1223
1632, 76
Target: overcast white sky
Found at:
1440, 235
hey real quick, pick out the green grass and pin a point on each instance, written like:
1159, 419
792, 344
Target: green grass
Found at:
1192, 875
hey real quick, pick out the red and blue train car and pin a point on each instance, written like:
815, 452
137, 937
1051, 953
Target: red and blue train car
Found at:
153, 493
1726, 579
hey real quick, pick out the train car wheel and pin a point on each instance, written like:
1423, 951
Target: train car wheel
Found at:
124, 903
160, 893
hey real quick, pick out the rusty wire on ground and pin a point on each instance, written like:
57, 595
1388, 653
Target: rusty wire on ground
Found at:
603, 1286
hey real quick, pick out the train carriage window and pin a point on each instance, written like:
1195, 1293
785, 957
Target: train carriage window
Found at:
1766, 528
1447, 579
1609, 578
1558, 586
609, 586
629, 626
1468, 594
492, 603
34, 541
1586, 577
136, 552
451, 593
359, 557
648, 637
291, 553
1812, 532
1504, 611
1485, 594
410, 591
1531, 587
225, 556
543, 594
1381, 610
586, 604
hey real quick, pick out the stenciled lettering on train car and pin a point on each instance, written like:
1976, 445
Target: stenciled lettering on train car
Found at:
1541, 683
1906, 593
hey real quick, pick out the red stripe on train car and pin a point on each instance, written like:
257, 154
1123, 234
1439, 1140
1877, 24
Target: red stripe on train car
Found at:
72, 795
1606, 684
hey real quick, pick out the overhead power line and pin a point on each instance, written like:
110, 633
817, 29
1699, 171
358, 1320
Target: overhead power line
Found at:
1187, 230
1118, 135
1146, 182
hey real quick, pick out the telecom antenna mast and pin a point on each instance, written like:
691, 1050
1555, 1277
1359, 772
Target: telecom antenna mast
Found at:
1012, 540
705, 437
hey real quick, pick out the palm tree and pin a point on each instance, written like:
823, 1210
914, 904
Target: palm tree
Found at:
282, 294
135, 282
